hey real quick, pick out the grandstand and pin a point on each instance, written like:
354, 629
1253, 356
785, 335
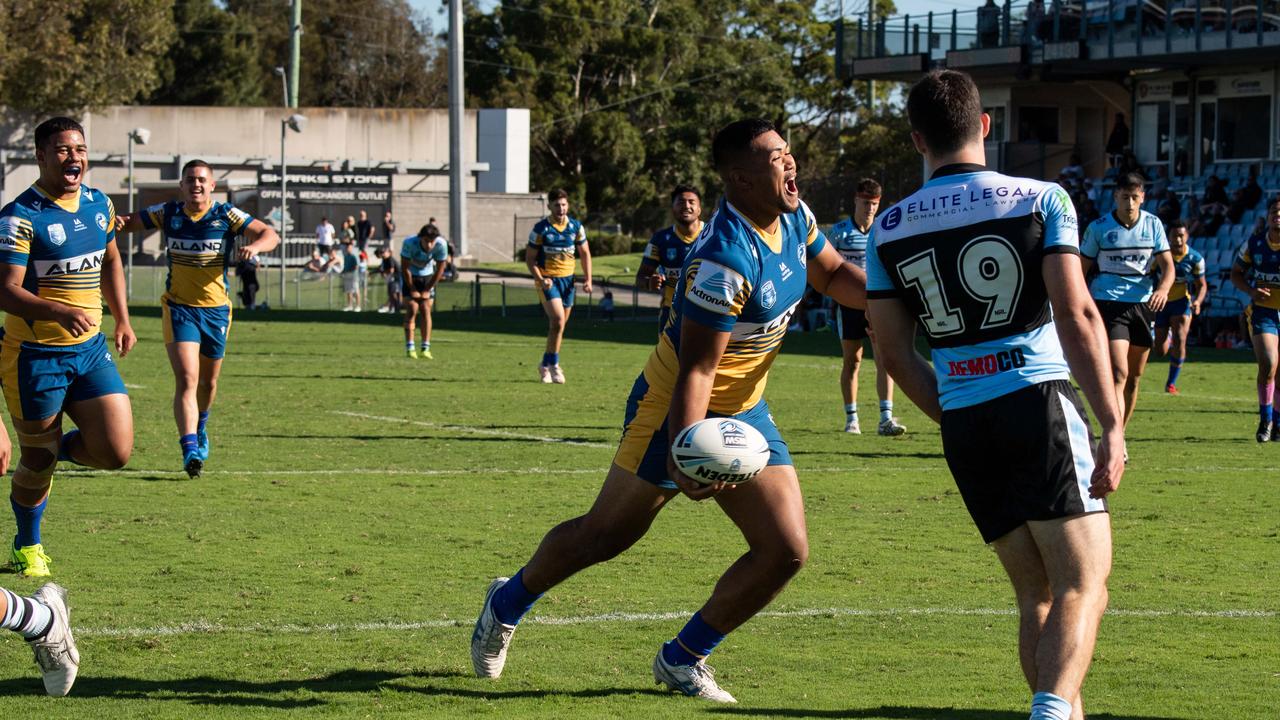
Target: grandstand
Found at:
1196, 80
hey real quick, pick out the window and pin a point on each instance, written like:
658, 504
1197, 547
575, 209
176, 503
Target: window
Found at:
1038, 124
997, 123
1244, 124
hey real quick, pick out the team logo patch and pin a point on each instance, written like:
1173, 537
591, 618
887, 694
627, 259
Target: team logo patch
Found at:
800, 255
671, 254
892, 219
175, 222
101, 220
768, 295
57, 234
732, 435
715, 287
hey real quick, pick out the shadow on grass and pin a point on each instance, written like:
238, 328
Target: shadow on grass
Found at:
899, 712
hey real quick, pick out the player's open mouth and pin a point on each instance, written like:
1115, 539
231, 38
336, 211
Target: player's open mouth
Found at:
71, 173
791, 187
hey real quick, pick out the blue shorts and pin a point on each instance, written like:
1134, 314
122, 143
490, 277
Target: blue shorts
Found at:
39, 380
208, 326
561, 289
1264, 320
646, 442
1171, 309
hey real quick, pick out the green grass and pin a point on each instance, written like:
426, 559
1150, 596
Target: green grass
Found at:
273, 585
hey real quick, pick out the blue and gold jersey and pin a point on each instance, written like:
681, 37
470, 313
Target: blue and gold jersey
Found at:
198, 248
746, 281
1124, 256
61, 243
667, 249
1186, 269
557, 246
420, 261
1260, 259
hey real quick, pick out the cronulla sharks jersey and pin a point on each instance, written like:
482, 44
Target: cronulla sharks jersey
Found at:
61, 243
746, 281
850, 242
198, 248
419, 261
964, 254
1124, 256
1261, 260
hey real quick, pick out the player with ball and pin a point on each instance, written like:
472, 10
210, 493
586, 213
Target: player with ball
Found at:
741, 283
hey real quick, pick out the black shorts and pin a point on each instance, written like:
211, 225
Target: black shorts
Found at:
418, 284
850, 324
1128, 321
1023, 456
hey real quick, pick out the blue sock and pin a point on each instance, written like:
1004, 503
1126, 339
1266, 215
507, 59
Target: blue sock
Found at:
408, 344
63, 452
202, 421
513, 600
28, 519
1047, 706
694, 642
1266, 412
549, 359
426, 346
189, 443
886, 410
1175, 368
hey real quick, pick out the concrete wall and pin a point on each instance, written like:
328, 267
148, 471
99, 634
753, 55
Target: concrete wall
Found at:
498, 223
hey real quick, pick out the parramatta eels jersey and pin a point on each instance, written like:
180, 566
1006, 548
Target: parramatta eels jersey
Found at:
668, 248
198, 249
62, 244
1261, 261
1186, 269
421, 262
557, 246
965, 255
743, 280
1124, 256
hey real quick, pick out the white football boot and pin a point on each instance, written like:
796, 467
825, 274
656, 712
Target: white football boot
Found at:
557, 375
56, 652
544, 374
891, 428
490, 639
852, 427
697, 680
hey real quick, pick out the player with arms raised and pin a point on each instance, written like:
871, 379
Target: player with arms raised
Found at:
667, 249
988, 266
553, 244
58, 262
1256, 272
1188, 291
199, 239
423, 259
742, 282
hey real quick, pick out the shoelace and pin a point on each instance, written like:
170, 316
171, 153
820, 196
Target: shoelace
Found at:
48, 654
495, 641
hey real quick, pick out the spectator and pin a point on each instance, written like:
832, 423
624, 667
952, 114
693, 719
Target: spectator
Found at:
364, 231
333, 263
316, 265
388, 227
1235, 211
324, 236
1252, 190
390, 271
362, 278
1129, 164
1160, 185
1118, 141
348, 230
1213, 209
606, 306
350, 281
247, 271
1074, 172
1170, 208
989, 25
1031, 28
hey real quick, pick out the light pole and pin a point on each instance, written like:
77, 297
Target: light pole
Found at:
294, 122
137, 136
284, 83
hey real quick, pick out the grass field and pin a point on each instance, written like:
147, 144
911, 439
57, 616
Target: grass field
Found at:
332, 560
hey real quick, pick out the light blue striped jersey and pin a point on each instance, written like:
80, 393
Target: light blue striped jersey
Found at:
1125, 256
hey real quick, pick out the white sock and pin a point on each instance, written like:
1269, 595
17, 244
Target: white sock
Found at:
26, 616
1047, 706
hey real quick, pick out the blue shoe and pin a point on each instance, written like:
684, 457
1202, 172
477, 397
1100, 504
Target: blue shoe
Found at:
193, 463
202, 444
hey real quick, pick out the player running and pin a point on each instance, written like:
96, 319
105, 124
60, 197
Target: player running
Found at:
200, 240
553, 243
987, 265
58, 262
1256, 272
667, 249
849, 236
1185, 296
1128, 244
423, 259
742, 282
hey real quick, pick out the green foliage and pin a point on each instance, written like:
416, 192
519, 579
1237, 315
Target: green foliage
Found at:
215, 61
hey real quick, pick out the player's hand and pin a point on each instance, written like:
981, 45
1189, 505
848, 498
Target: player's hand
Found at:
655, 282
586, 286
1158, 301
76, 321
546, 283
1108, 465
415, 296
247, 252
125, 339
121, 221
1195, 308
6, 450
693, 489
1260, 294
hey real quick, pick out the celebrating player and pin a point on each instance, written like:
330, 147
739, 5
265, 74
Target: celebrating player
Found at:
849, 236
553, 244
987, 265
422, 261
742, 282
58, 262
199, 238
666, 251
1256, 272
1127, 245
1185, 296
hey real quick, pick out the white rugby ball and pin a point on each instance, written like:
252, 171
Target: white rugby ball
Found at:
720, 449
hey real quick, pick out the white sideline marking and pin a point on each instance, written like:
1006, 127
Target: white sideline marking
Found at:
131, 386
202, 627
473, 429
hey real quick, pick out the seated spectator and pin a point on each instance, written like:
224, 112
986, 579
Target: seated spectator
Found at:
1170, 208
316, 265
1235, 211
1074, 171
1252, 190
1213, 209
1160, 185
334, 263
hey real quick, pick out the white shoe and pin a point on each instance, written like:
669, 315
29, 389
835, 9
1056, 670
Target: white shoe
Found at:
891, 428
697, 680
557, 375
56, 652
852, 427
544, 374
490, 639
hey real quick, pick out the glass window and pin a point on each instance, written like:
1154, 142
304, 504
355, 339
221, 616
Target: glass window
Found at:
1037, 124
997, 123
1152, 132
1244, 124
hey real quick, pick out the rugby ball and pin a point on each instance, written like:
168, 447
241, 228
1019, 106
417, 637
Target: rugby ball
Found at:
720, 449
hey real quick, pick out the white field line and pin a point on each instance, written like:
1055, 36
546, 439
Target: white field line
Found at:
202, 627
131, 386
473, 429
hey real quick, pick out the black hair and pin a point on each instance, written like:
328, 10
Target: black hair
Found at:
734, 139
53, 126
1131, 181
868, 186
195, 164
557, 194
682, 189
1175, 225
429, 231
946, 109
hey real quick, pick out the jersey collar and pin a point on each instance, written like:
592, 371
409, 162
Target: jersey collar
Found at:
686, 239
957, 169
71, 205
1119, 222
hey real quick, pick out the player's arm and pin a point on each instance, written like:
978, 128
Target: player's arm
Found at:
129, 223
261, 239
1160, 294
896, 350
1238, 278
1201, 289
113, 291
6, 449
649, 276
1084, 342
531, 262
842, 281
17, 300
585, 251
701, 348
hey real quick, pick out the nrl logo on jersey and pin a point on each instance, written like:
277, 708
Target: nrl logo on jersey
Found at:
175, 222
57, 234
769, 294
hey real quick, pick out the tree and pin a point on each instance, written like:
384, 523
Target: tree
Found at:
215, 61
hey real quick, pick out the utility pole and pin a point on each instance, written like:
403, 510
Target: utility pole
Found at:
457, 178
295, 51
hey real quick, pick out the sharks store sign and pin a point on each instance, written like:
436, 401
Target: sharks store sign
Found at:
318, 194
